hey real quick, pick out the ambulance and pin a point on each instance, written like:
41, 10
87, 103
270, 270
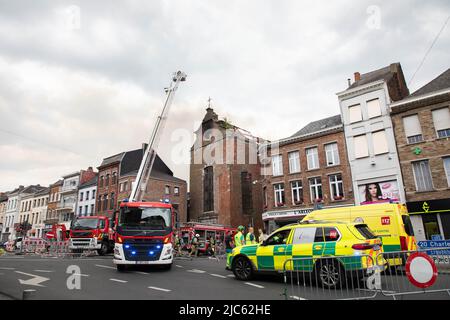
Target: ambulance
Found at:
389, 221
333, 253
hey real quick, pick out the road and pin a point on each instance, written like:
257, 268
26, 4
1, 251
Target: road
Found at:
198, 279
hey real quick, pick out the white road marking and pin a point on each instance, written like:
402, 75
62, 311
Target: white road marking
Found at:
297, 298
178, 266
230, 276
254, 285
196, 271
107, 267
160, 289
80, 275
35, 281
218, 275
117, 280
3, 268
48, 271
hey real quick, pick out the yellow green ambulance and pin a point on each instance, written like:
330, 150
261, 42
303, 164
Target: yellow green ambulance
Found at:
304, 247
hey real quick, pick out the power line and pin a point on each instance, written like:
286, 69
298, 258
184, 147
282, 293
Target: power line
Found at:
429, 49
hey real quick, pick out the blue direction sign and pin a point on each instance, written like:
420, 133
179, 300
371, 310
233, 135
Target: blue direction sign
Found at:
430, 245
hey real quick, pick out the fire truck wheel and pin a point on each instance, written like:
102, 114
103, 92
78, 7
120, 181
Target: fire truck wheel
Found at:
103, 250
121, 267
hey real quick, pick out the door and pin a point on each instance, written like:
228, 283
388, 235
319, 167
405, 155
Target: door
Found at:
272, 254
306, 243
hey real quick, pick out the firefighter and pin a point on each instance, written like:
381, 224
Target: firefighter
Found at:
250, 237
239, 237
228, 247
177, 245
194, 246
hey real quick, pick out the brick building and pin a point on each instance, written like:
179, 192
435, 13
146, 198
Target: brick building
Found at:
225, 174
52, 206
369, 134
122, 170
307, 170
422, 132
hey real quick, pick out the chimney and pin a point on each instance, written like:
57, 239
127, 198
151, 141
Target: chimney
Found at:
357, 76
90, 169
349, 82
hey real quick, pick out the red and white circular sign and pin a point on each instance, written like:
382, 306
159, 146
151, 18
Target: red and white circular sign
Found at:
421, 270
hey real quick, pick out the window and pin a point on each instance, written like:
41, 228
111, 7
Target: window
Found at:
93, 194
354, 113
278, 238
87, 195
422, 176
315, 186
331, 234
101, 181
246, 192
361, 149
114, 178
294, 161
111, 204
336, 187
373, 108
167, 190
332, 154
413, 131
107, 180
304, 235
279, 194
80, 211
447, 169
380, 144
125, 186
81, 196
120, 187
92, 209
176, 191
297, 192
277, 165
86, 210
441, 119
208, 189
431, 225
312, 157
105, 202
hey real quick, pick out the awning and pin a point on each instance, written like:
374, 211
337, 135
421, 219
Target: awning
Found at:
280, 214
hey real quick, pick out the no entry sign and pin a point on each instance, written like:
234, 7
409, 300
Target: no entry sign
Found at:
421, 270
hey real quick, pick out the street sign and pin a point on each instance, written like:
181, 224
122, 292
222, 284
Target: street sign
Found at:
421, 270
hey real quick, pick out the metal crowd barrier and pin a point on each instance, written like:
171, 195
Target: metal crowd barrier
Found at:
34, 246
389, 275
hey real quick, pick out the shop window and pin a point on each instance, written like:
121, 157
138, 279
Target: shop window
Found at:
431, 225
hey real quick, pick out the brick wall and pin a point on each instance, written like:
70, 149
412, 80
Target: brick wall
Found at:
343, 168
432, 149
103, 189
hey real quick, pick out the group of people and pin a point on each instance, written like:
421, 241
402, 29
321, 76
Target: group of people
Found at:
239, 240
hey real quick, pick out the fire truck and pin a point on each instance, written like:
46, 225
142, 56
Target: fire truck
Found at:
144, 230
91, 233
205, 230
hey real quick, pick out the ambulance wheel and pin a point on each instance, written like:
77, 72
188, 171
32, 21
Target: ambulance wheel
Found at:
121, 267
329, 273
242, 268
103, 249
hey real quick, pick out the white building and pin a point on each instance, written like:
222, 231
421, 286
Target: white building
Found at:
369, 133
69, 190
87, 198
39, 213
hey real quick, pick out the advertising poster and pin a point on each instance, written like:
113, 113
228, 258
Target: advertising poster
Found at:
382, 191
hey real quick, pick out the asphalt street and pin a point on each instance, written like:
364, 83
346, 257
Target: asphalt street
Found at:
202, 278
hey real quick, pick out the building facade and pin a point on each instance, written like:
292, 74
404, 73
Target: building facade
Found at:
422, 133
39, 213
225, 174
11, 214
308, 170
52, 206
87, 195
369, 134
3, 206
108, 184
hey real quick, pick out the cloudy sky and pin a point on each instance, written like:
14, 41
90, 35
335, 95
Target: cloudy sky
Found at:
83, 80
